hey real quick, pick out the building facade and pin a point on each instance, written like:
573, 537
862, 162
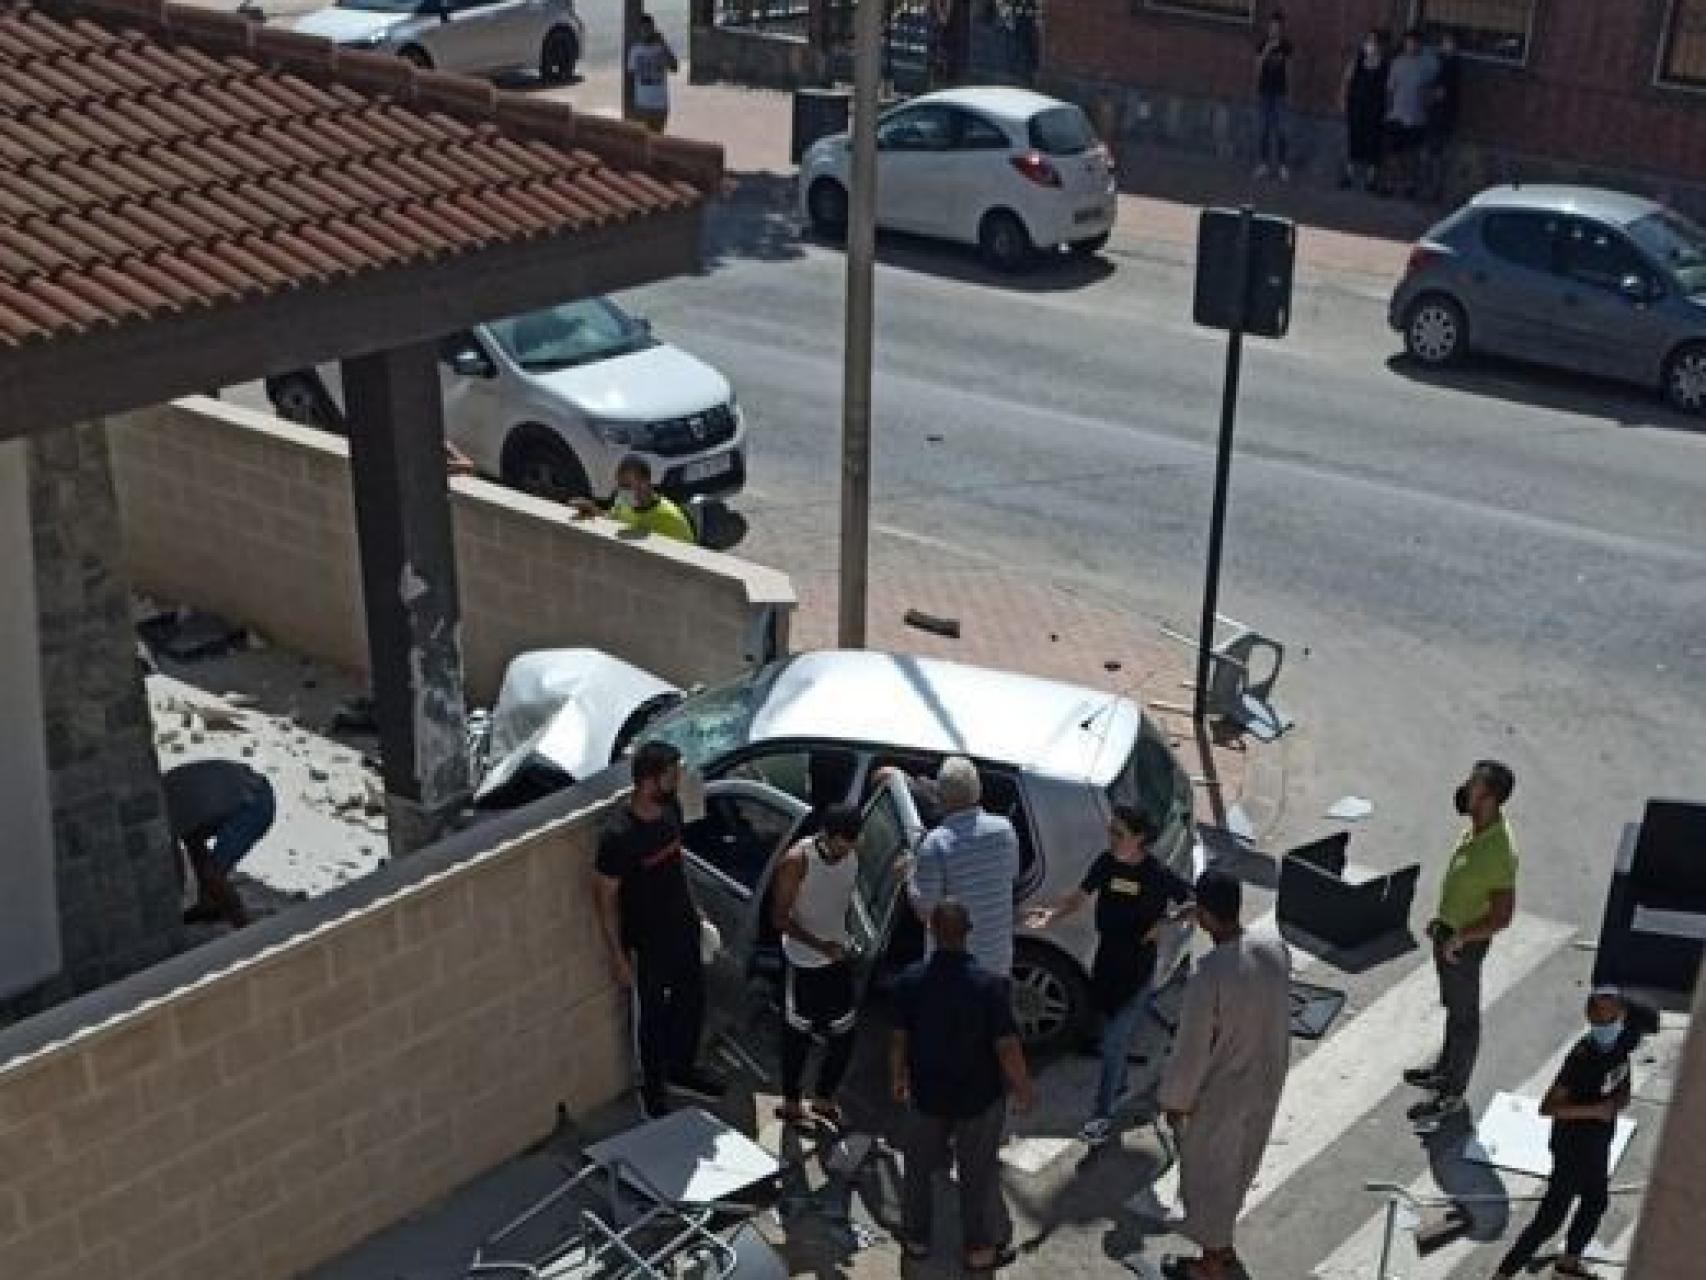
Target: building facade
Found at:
1609, 91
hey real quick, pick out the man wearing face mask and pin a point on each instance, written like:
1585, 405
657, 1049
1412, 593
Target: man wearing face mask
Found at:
1583, 1103
1477, 901
638, 505
651, 927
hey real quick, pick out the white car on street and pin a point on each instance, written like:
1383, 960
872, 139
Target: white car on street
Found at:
551, 401
485, 37
1005, 169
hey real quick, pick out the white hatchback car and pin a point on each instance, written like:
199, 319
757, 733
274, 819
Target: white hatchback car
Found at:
551, 401
486, 37
1008, 170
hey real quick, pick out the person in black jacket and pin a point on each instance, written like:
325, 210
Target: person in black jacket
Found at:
1592, 1088
1364, 100
1442, 116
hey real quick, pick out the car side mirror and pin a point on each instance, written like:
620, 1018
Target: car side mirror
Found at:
470, 362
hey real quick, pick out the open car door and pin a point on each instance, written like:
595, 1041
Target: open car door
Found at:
890, 835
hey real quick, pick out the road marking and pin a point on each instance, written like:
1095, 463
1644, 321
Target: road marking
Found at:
1357, 1257
1353, 1072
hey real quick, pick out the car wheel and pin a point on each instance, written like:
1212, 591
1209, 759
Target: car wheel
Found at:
1685, 379
1436, 332
558, 55
299, 397
416, 56
1004, 241
1051, 1000
537, 462
826, 205
1094, 245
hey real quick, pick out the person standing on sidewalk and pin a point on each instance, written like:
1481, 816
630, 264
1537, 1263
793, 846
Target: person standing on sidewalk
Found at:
954, 1056
1476, 903
1273, 84
652, 928
1133, 894
651, 62
1592, 1088
1364, 94
1221, 1088
814, 892
1409, 90
972, 856
1442, 115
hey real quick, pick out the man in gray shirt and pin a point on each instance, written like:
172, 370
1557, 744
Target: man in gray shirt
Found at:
972, 857
1409, 89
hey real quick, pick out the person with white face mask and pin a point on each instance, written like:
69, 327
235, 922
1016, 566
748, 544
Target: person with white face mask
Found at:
1583, 1103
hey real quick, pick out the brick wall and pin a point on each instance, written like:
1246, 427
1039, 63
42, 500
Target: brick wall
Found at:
264, 1117
254, 518
1569, 114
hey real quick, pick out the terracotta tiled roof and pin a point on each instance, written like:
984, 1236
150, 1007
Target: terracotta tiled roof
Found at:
157, 159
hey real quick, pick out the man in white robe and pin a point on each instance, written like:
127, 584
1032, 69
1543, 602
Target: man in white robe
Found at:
1222, 1084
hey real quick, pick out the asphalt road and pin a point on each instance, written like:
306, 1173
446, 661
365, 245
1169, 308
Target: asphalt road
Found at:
1501, 562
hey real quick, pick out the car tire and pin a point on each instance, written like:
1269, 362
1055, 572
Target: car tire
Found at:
416, 56
1051, 998
826, 207
302, 398
558, 56
1088, 248
536, 461
1005, 243
1436, 332
1685, 379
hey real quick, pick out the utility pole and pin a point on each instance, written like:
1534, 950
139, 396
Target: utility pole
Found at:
856, 375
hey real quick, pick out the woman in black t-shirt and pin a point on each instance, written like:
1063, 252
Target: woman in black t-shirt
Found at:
1591, 1089
1134, 895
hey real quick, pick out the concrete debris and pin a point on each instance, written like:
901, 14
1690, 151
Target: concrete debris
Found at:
941, 626
1350, 809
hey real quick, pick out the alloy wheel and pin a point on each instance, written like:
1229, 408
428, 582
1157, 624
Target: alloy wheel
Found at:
1435, 333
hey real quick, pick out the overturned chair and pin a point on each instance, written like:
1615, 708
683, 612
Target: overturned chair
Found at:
1345, 910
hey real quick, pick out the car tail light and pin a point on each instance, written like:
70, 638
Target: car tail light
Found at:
1422, 257
1037, 169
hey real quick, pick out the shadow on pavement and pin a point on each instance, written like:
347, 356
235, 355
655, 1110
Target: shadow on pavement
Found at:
755, 221
1546, 388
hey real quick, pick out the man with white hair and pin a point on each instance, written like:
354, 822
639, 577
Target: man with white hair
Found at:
973, 858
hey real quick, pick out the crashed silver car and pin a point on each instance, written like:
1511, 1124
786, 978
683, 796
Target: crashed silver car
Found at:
791, 736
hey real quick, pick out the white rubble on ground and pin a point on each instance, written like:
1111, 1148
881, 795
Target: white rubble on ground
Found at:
330, 827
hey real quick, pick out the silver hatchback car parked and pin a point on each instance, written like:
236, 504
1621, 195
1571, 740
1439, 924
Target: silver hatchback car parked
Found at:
1590, 280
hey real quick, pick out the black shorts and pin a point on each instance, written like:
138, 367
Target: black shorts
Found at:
819, 1001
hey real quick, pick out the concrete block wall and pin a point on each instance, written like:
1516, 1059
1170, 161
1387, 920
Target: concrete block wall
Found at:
235, 511
269, 1114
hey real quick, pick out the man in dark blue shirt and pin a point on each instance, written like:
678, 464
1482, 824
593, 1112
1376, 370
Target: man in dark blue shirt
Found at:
955, 1055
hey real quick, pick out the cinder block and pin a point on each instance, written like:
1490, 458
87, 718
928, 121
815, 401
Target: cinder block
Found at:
224, 1005
405, 975
27, 1147
271, 1036
434, 910
44, 1247
93, 1120
176, 1227
378, 1036
55, 1190
118, 1212
173, 1081
144, 1042
362, 942
333, 1009
289, 976
38, 1086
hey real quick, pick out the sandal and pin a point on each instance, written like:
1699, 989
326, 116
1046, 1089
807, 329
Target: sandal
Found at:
1005, 1256
826, 1109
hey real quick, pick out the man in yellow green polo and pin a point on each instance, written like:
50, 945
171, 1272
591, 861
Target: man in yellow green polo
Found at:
1476, 903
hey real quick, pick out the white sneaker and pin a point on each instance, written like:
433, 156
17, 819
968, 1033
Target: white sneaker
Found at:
1096, 1130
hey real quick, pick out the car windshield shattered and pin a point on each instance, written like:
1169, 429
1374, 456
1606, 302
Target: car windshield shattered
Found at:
571, 334
1676, 242
709, 725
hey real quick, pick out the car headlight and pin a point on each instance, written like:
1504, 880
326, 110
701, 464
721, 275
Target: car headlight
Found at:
625, 435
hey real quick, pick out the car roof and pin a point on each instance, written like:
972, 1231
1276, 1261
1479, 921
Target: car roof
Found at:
1617, 207
1003, 101
948, 708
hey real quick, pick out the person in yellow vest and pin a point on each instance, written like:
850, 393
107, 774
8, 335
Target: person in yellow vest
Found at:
637, 504
1476, 903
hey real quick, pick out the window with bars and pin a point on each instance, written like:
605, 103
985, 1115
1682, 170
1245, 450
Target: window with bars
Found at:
1683, 58
1495, 29
1226, 10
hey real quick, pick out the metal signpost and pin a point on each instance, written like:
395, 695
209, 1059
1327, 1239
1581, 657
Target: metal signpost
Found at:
1243, 285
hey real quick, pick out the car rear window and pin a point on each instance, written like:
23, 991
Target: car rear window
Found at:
1062, 131
1526, 239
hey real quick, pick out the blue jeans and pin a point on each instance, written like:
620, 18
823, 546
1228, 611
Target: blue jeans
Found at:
1116, 1044
243, 830
1271, 143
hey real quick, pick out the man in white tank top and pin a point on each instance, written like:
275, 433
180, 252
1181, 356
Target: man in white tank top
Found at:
814, 891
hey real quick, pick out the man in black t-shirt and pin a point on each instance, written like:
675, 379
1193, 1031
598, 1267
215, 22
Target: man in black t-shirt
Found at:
1591, 1089
1273, 84
1134, 895
651, 927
